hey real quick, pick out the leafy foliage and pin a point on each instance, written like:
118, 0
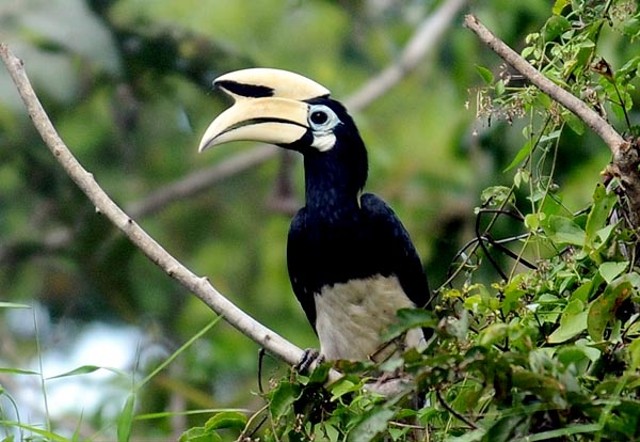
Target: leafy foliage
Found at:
551, 351
536, 329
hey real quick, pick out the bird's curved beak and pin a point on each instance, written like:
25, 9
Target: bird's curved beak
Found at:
269, 107
270, 120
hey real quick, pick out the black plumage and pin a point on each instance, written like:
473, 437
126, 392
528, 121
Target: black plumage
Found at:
341, 235
351, 262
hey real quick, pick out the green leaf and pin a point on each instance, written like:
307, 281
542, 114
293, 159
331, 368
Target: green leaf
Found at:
331, 433
493, 334
604, 234
533, 220
473, 302
199, 434
320, 374
631, 27
513, 294
574, 123
629, 69
410, 318
486, 74
527, 51
373, 423
165, 414
18, 371
564, 231
611, 270
572, 322
559, 5
282, 397
554, 135
343, 386
586, 345
496, 195
634, 352
602, 310
469, 436
13, 305
226, 419
564, 433
523, 153
544, 386
573, 355
554, 27
583, 292
125, 419
86, 369
504, 428
47, 435
521, 176
603, 202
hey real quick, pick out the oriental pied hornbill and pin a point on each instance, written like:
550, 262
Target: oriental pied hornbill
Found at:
351, 262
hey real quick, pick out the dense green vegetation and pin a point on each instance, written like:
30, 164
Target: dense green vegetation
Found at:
539, 341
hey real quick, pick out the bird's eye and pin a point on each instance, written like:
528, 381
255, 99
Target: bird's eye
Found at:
319, 117
322, 117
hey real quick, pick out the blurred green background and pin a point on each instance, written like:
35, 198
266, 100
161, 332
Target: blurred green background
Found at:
128, 85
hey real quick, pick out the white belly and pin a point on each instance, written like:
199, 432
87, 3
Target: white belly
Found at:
350, 318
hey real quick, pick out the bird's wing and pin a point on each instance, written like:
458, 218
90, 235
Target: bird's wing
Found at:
401, 258
297, 248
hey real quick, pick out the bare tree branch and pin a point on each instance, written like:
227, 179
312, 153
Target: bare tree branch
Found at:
200, 286
598, 124
419, 46
200, 180
626, 155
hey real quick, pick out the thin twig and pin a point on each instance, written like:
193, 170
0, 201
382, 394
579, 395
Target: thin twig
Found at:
457, 415
201, 287
200, 181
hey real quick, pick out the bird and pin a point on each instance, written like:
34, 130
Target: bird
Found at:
351, 262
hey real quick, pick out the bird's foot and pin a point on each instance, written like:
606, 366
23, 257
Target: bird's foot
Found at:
311, 358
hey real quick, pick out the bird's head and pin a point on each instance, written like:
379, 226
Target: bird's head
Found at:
289, 110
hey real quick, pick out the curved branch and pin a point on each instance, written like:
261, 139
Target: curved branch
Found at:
421, 43
200, 286
200, 180
598, 124
626, 155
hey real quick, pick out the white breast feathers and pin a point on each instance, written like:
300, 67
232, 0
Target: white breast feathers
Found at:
352, 316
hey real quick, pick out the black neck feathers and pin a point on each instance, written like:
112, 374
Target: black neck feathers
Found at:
335, 177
